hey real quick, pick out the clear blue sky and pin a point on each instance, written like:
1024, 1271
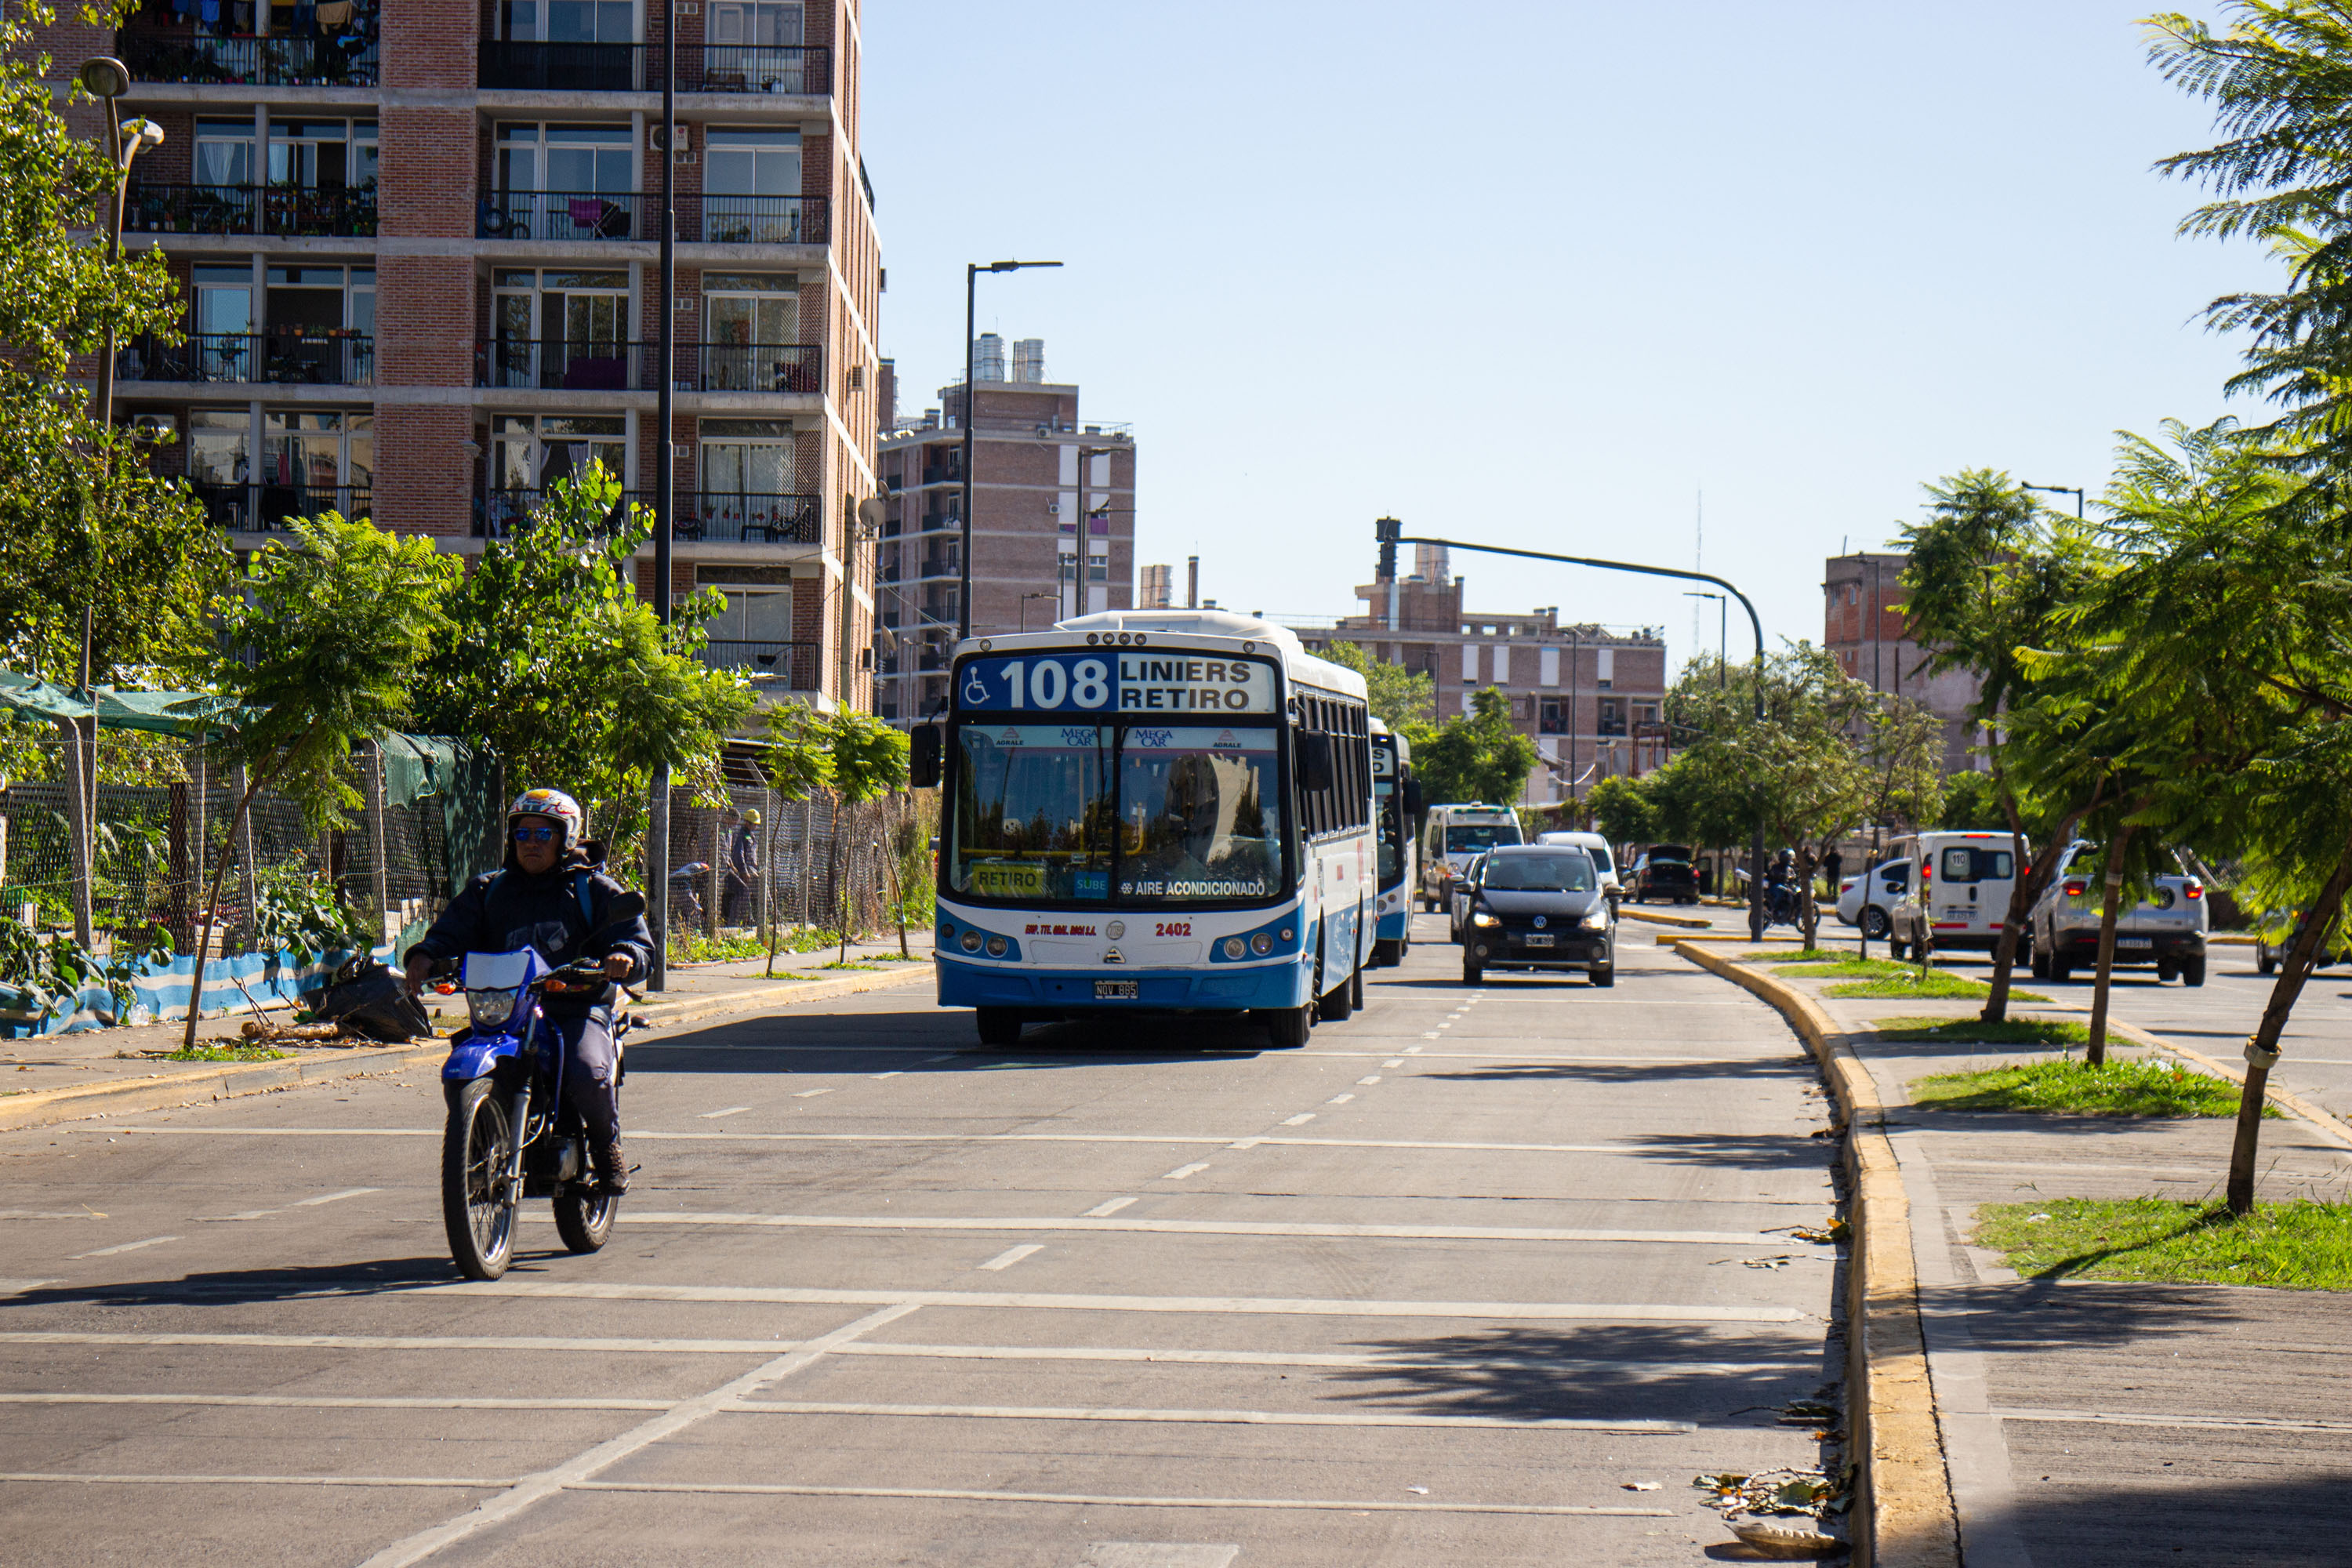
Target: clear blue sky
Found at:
1541, 273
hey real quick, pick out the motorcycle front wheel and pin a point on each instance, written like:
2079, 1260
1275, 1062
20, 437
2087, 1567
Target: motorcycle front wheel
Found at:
584, 1217
475, 1158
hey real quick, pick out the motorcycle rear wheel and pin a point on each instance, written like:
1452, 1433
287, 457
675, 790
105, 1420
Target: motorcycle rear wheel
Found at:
475, 1157
584, 1217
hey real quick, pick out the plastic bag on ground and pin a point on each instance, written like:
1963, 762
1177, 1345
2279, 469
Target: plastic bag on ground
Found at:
374, 1003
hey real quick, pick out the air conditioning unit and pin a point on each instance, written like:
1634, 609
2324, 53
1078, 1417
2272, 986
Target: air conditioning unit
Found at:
1052, 509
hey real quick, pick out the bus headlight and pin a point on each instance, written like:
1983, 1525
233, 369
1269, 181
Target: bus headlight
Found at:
997, 946
1235, 947
971, 942
1261, 945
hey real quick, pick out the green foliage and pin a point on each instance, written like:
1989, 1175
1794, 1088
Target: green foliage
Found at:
690, 947
227, 1054
296, 912
1622, 810
1972, 804
553, 660
2064, 1086
869, 756
43, 976
1977, 1032
2299, 1246
1396, 694
1475, 756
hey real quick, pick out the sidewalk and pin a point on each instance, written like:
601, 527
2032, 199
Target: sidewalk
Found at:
2090, 1422
70, 1074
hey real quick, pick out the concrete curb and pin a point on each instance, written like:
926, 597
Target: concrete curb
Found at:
230, 1081
2286, 1100
1904, 1516
1688, 922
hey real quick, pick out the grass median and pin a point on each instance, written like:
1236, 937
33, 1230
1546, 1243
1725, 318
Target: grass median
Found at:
2297, 1246
2066, 1086
1868, 977
2058, 1032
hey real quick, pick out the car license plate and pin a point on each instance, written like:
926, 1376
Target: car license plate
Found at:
1114, 989
2135, 941
1539, 939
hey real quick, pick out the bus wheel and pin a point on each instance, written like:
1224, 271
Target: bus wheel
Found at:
1335, 1004
1356, 992
1287, 1028
999, 1026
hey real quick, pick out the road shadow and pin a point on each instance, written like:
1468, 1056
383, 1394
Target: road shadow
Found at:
2284, 1522
1751, 1151
929, 1040
376, 1277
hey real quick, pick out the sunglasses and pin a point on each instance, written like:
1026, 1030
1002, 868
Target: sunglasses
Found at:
534, 834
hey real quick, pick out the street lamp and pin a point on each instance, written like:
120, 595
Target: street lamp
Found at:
665, 482
2059, 491
1025, 605
1722, 633
108, 78
970, 293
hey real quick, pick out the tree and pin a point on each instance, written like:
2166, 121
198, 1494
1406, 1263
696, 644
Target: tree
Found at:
1971, 805
1621, 809
869, 759
1397, 695
553, 661
323, 648
1477, 756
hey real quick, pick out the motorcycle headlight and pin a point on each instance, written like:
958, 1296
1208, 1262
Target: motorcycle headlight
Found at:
491, 1009
1481, 917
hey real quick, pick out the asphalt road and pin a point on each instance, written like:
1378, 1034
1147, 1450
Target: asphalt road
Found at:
1447, 1286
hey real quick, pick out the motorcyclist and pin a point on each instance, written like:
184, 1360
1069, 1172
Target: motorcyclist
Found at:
1779, 886
551, 894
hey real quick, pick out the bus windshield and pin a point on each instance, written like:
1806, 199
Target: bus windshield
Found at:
1470, 839
1162, 814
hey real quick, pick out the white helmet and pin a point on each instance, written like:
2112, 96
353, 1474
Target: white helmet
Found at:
557, 807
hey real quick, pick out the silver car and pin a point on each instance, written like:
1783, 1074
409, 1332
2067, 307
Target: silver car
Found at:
1865, 900
2165, 931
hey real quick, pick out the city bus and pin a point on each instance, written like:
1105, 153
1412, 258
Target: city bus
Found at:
1152, 812
1396, 801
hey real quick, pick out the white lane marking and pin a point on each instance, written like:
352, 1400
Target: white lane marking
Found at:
810, 1093
581, 1467
1432, 1034
1157, 1554
1245, 1143
730, 1111
126, 1247
1392, 1062
22, 1287
336, 1402
1010, 1256
1339, 1100
407, 1342
1301, 1119
2126, 1418
1108, 1499
1416, 1050
1180, 1172
895, 1072
1374, 1078
298, 1203
1442, 1024
1222, 1142
1101, 1220
44, 1214
1215, 1417
1247, 1306
445, 1483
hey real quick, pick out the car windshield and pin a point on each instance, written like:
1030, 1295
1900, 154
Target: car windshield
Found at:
1557, 872
1462, 840
1051, 813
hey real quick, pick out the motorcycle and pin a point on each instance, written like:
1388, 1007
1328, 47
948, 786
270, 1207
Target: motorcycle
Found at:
508, 1136
1781, 904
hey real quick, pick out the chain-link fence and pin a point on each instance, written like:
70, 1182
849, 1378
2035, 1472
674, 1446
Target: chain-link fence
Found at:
763, 859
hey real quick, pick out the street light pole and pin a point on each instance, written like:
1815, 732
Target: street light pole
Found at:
2059, 491
1388, 531
1025, 605
1722, 633
665, 483
971, 295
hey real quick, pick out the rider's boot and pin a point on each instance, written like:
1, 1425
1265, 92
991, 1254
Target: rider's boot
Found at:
612, 1168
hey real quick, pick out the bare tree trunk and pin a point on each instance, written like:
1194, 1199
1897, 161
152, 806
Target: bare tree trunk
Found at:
82, 840
2096, 1056
212, 913
1808, 919
2261, 1050
2023, 891
898, 897
840, 882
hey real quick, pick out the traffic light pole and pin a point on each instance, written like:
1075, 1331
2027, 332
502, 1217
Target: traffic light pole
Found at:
1389, 533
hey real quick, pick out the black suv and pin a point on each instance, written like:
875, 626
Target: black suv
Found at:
1663, 872
1539, 906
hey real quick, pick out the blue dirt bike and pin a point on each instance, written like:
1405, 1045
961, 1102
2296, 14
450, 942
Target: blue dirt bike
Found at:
508, 1136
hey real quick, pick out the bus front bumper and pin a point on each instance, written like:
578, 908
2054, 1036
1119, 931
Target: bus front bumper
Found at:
1283, 984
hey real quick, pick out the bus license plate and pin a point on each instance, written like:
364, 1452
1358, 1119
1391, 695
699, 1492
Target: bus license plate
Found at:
1114, 989
1540, 939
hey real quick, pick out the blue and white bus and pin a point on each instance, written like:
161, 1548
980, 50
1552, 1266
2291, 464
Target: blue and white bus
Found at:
1152, 811
1396, 801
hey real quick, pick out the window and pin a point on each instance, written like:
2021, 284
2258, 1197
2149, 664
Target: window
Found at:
322, 154
748, 458
570, 21
314, 461
588, 159
530, 453
559, 328
751, 329
1960, 863
218, 446
752, 185
768, 24
224, 152
758, 619
1612, 717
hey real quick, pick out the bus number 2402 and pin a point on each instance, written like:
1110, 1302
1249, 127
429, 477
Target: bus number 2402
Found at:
1175, 928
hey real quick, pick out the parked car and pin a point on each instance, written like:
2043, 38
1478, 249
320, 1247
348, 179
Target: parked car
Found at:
1604, 859
1869, 899
1663, 873
2269, 954
1452, 833
1457, 896
2167, 928
1537, 906
1959, 894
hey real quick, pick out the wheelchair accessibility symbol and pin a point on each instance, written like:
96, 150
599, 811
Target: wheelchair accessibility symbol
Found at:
975, 690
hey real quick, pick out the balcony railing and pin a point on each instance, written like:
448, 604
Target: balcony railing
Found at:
752, 220
347, 61
515, 65
794, 663
587, 365
728, 518
297, 358
264, 508
751, 367
341, 211
558, 215
502, 513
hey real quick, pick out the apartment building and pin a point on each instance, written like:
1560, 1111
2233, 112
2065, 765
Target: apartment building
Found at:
1590, 697
1052, 499
1863, 626
419, 246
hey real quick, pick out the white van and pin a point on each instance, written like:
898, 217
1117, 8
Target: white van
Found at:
1605, 859
1453, 833
1959, 890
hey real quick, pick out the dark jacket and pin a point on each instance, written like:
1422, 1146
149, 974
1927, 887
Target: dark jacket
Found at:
508, 909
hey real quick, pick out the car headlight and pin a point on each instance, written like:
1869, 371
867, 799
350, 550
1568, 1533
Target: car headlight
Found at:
1597, 920
1481, 917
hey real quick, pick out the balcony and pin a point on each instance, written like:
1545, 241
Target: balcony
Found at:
750, 367
264, 508
794, 663
727, 518
503, 514
245, 61
346, 212
287, 358
518, 65
752, 220
558, 215
939, 566
588, 365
